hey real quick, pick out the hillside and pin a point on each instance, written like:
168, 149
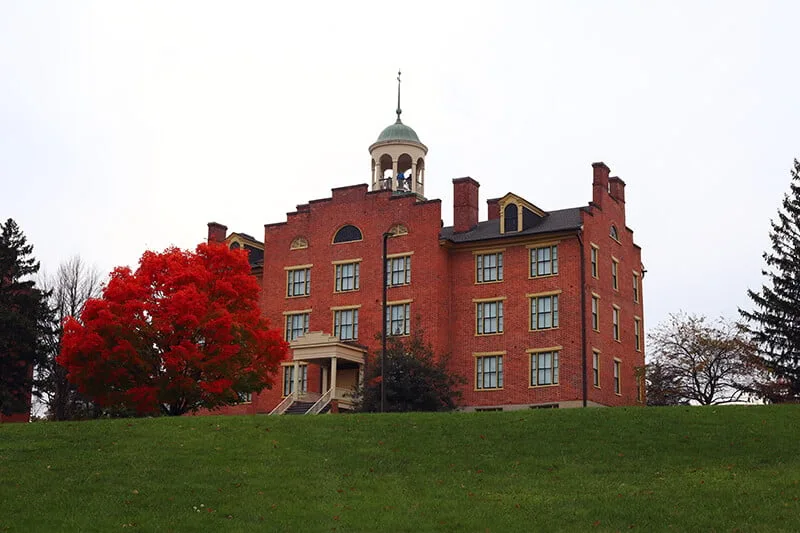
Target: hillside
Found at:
678, 469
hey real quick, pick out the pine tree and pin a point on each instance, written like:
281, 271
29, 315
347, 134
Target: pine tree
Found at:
774, 324
416, 379
25, 319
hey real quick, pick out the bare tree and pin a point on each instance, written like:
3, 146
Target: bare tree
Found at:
707, 362
663, 386
73, 284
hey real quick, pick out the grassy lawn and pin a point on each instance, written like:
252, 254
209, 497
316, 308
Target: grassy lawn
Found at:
675, 469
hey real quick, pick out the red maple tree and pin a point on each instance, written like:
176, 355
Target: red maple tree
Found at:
182, 332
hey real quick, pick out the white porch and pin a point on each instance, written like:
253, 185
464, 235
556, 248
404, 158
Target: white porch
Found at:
342, 371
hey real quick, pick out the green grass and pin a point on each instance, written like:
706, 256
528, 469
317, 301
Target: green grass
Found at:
675, 469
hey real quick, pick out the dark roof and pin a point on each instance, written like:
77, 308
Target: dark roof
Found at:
555, 221
255, 255
246, 236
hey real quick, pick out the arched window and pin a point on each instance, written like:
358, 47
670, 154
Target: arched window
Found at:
613, 232
510, 216
347, 233
398, 230
299, 243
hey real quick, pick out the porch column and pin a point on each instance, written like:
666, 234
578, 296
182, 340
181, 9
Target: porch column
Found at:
333, 376
325, 382
296, 380
360, 375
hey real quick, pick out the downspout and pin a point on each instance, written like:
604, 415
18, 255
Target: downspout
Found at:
584, 365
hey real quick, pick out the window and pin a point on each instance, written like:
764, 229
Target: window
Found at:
489, 317
640, 385
613, 233
544, 311
397, 319
544, 368
489, 267
617, 388
614, 271
296, 325
615, 322
398, 271
347, 234
544, 261
345, 324
299, 243
245, 397
637, 334
298, 282
596, 368
594, 261
595, 312
288, 379
347, 277
510, 218
636, 287
489, 372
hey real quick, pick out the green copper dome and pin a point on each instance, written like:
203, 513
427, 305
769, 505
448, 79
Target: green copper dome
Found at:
398, 132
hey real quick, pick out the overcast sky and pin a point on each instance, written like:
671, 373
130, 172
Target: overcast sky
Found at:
127, 126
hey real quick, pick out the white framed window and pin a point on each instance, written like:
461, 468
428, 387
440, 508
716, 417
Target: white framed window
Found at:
288, 379
544, 261
245, 397
637, 334
617, 386
489, 372
489, 317
398, 319
595, 312
544, 312
636, 287
615, 322
614, 272
345, 324
489, 267
398, 271
348, 277
593, 256
596, 368
544, 368
296, 325
298, 282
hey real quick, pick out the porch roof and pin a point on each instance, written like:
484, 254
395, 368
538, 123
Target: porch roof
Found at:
317, 345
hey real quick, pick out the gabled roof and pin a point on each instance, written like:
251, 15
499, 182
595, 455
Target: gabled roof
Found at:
553, 222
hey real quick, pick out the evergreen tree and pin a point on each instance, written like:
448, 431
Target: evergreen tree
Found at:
416, 380
25, 319
774, 323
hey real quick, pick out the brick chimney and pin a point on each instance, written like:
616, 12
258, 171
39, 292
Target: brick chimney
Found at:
465, 204
617, 188
599, 183
493, 207
217, 232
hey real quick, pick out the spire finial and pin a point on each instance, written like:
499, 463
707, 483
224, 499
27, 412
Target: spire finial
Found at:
398, 97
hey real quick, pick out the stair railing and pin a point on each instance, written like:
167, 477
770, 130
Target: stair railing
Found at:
284, 405
320, 404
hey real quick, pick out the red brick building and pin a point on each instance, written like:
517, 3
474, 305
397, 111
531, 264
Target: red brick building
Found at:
537, 308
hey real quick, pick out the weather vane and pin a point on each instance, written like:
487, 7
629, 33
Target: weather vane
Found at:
398, 96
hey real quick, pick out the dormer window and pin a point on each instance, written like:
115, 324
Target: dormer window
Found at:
510, 218
347, 233
613, 233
